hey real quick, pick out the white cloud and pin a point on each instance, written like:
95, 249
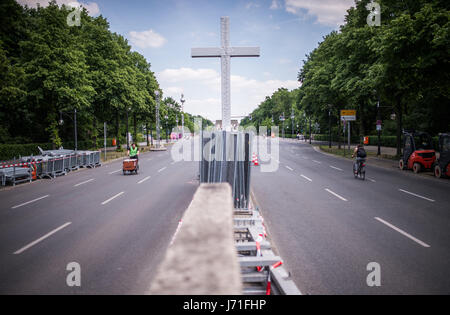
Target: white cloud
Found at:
327, 12
201, 88
92, 7
284, 61
146, 39
274, 5
251, 5
187, 74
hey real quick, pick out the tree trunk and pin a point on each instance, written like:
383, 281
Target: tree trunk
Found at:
94, 133
151, 134
399, 118
339, 133
117, 129
361, 124
146, 134
135, 139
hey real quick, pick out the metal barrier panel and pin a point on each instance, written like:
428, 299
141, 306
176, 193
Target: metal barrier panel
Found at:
74, 161
66, 163
226, 158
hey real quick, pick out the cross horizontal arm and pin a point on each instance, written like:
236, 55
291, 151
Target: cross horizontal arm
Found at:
244, 52
206, 52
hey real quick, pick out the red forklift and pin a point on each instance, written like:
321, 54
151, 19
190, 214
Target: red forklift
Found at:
442, 165
418, 152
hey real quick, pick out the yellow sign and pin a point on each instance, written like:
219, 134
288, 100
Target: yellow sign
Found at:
348, 112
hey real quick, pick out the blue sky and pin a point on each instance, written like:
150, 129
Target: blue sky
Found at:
165, 31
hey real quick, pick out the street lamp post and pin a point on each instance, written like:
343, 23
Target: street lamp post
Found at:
167, 128
271, 127
282, 120
182, 100
158, 143
310, 135
292, 120
378, 126
75, 128
329, 125
61, 121
176, 119
128, 139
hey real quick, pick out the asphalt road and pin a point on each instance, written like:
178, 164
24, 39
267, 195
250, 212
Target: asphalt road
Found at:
328, 226
116, 227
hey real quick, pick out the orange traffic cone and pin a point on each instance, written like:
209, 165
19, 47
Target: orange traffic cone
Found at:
255, 160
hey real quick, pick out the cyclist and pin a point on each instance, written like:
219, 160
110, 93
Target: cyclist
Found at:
133, 152
361, 155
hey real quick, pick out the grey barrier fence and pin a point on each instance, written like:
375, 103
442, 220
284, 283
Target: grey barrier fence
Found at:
226, 157
15, 173
50, 163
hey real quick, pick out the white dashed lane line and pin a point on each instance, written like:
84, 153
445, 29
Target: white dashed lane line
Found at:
162, 169
337, 168
113, 197
416, 195
41, 238
402, 232
289, 168
317, 162
143, 180
114, 172
85, 182
28, 202
307, 178
336, 195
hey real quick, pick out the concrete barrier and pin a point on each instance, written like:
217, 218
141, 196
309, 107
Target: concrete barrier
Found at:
202, 260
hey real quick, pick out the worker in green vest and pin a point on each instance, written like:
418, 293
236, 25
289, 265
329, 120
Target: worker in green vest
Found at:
133, 152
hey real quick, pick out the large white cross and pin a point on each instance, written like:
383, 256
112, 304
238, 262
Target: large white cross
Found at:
225, 53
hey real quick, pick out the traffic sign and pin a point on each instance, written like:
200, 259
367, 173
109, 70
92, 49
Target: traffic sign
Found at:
348, 114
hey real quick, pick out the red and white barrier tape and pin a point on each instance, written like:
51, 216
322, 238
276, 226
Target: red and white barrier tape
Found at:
269, 282
258, 241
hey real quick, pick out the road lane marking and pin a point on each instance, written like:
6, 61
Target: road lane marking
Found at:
403, 232
115, 196
333, 193
289, 168
372, 180
41, 239
317, 162
337, 168
416, 195
143, 180
307, 178
28, 202
114, 172
85, 182
162, 169
149, 159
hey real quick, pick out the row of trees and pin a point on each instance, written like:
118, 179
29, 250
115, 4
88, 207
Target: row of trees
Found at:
402, 64
49, 69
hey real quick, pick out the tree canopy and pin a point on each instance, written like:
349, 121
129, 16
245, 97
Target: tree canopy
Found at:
49, 69
403, 63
